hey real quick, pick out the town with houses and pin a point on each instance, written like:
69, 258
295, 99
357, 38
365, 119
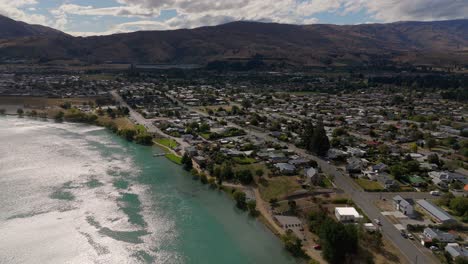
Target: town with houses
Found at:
395, 164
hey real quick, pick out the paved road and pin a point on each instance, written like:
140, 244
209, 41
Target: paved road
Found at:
364, 200
148, 123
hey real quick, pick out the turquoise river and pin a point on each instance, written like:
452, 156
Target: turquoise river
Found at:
73, 193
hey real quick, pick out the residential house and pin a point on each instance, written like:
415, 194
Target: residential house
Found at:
312, 176
431, 234
455, 251
354, 165
277, 158
286, 168
403, 205
386, 181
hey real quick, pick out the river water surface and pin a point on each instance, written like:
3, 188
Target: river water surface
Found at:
72, 193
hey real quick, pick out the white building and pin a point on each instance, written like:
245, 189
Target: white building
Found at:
403, 205
347, 214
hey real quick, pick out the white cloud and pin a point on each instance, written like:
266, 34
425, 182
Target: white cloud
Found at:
195, 13
403, 10
14, 9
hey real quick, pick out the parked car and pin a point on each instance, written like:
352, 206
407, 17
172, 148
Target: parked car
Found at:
410, 236
377, 221
434, 193
434, 248
403, 234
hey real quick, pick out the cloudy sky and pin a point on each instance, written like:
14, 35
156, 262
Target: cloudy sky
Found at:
98, 17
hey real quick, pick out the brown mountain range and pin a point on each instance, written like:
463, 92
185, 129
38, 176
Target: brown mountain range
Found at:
435, 43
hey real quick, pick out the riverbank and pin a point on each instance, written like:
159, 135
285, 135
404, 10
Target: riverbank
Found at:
77, 193
261, 206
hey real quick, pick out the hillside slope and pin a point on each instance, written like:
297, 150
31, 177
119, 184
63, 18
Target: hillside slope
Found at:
437, 43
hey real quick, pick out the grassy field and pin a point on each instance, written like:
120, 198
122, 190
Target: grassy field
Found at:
121, 122
278, 187
167, 142
369, 185
174, 158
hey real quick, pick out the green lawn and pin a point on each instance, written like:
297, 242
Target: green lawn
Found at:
205, 135
167, 142
244, 160
140, 129
278, 187
174, 158
369, 185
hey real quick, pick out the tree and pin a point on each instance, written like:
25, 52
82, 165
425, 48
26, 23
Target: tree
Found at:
20, 112
338, 241
144, 139
244, 176
414, 147
259, 173
128, 134
187, 162
292, 207
240, 199
339, 132
204, 127
430, 143
203, 178
59, 116
398, 171
315, 139
459, 205
461, 260
226, 172
307, 135
293, 244
320, 143
434, 159
2, 111
252, 206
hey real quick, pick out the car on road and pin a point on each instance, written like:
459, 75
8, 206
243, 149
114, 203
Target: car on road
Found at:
434, 193
377, 221
403, 234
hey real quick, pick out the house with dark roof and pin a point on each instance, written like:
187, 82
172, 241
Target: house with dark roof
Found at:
431, 234
455, 251
286, 168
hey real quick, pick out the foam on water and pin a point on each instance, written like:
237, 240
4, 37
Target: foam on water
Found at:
47, 203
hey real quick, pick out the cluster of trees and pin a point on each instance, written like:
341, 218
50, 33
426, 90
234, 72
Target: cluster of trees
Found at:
226, 172
293, 244
458, 205
315, 139
113, 113
338, 241
194, 127
75, 115
140, 137
187, 162
402, 170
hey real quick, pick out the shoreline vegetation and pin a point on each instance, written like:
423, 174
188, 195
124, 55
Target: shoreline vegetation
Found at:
117, 122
